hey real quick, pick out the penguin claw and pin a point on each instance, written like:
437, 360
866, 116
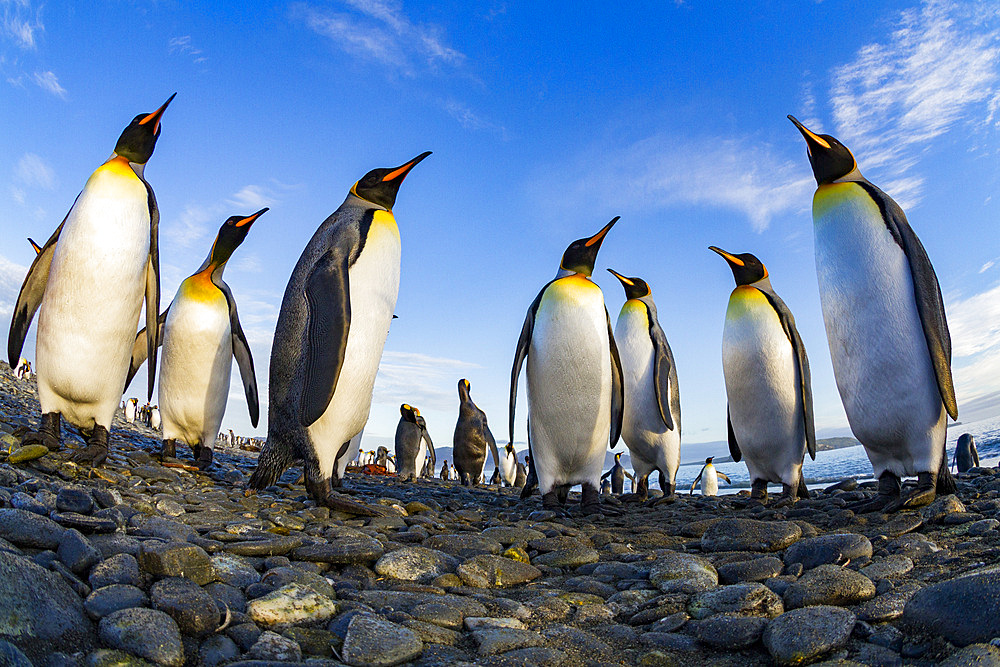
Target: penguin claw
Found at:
41, 438
879, 503
912, 500
92, 455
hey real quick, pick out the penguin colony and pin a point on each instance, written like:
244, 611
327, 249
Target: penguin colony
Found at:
881, 301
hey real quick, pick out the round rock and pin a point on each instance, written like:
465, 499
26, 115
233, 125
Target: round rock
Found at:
836, 548
829, 585
193, 609
147, 633
415, 564
800, 636
374, 642
731, 632
676, 572
496, 572
735, 534
964, 611
749, 599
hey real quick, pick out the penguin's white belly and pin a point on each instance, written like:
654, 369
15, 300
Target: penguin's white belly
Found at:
877, 344
762, 385
196, 368
129, 412
421, 457
508, 468
90, 311
569, 385
374, 285
709, 482
650, 443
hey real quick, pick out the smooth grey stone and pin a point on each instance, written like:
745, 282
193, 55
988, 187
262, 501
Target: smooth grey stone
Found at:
439, 614
463, 545
23, 501
964, 611
83, 522
802, 635
282, 576
373, 642
234, 570
416, 564
754, 569
176, 559
975, 655
488, 571
76, 552
832, 548
109, 599
568, 558
533, 656
244, 634
118, 569
512, 535
74, 499
737, 534
500, 640
11, 656
191, 607
675, 572
272, 647
217, 650
573, 639
147, 633
351, 550
731, 632
672, 641
829, 585
885, 607
982, 527
110, 545
157, 526
27, 529
749, 599
227, 597
888, 567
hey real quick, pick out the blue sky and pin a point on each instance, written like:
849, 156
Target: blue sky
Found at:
544, 125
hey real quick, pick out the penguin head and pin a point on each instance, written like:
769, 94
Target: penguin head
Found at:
379, 186
618, 457
582, 253
829, 158
509, 447
421, 422
747, 269
635, 288
708, 461
409, 413
231, 234
463, 389
138, 140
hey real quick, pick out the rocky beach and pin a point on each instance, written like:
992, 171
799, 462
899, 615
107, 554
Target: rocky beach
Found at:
137, 562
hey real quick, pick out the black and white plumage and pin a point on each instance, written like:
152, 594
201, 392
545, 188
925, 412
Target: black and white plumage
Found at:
472, 439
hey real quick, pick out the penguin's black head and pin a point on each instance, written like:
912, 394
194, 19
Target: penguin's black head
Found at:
138, 140
581, 254
829, 158
747, 269
618, 456
379, 186
409, 413
709, 460
463, 389
231, 234
509, 447
635, 288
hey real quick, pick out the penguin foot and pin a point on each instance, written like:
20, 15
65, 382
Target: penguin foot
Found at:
789, 494
96, 450
590, 501
888, 494
204, 461
48, 433
169, 449
924, 494
663, 500
758, 490
550, 501
195, 451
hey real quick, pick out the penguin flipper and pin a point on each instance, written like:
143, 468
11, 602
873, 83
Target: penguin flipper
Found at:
523, 343
805, 376
329, 306
723, 476
663, 370
491, 442
241, 351
30, 296
696, 480
734, 447
926, 292
140, 347
152, 288
617, 386
430, 445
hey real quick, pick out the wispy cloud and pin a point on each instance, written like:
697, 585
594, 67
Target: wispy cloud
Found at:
198, 221
252, 197
49, 82
938, 68
379, 31
11, 277
411, 377
21, 22
183, 46
33, 171
470, 120
974, 323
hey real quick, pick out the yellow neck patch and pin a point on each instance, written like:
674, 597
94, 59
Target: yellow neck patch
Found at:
745, 299
118, 166
834, 195
383, 222
200, 287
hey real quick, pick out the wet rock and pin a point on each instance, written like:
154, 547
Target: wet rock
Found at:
730, 631
975, 655
512, 535
754, 569
749, 599
27, 453
274, 546
440, 614
802, 635
352, 550
463, 545
374, 642
11, 656
282, 576
271, 646
74, 499
737, 534
234, 570
964, 611
834, 548
675, 572
415, 564
289, 605
27, 529
885, 607
889, 567
193, 609
218, 650
147, 633
500, 640
496, 572
829, 585
176, 559
112, 598
76, 552
568, 558
941, 507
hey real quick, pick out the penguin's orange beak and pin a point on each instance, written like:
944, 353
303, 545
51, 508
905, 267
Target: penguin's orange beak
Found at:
401, 171
156, 115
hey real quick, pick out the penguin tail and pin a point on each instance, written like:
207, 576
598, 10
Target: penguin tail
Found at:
270, 465
803, 490
527, 490
945, 482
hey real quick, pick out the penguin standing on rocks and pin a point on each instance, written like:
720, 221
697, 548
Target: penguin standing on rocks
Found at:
411, 443
472, 439
617, 475
651, 425
709, 478
23, 369
154, 418
886, 325
574, 379
520, 476
88, 285
508, 464
605, 487
131, 409
495, 479
445, 471
201, 334
770, 413
966, 455
328, 340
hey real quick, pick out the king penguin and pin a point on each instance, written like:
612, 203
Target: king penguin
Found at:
966, 454
508, 464
768, 385
88, 284
574, 379
131, 408
412, 443
328, 340
201, 334
426, 458
886, 326
472, 439
651, 425
709, 478
617, 475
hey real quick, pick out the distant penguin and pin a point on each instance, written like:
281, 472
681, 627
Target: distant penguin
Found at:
606, 487
472, 438
508, 464
886, 325
88, 284
201, 333
390, 465
154, 418
709, 478
23, 369
617, 475
574, 379
651, 424
382, 456
445, 471
966, 455
495, 479
770, 413
328, 340
521, 475
131, 408
410, 440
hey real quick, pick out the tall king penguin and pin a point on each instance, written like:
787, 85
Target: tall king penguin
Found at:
200, 332
412, 442
575, 391
88, 283
651, 426
472, 438
886, 326
768, 384
328, 340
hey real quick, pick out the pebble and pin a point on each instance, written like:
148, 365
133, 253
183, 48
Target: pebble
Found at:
730, 631
753, 569
802, 635
748, 599
176, 559
675, 572
496, 572
291, 604
749, 535
112, 598
500, 640
191, 607
353, 550
27, 529
835, 548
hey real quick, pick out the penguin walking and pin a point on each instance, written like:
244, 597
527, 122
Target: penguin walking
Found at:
709, 478
886, 325
966, 454
88, 284
154, 418
651, 424
328, 340
508, 464
200, 332
617, 475
131, 409
770, 413
412, 442
445, 471
472, 438
574, 379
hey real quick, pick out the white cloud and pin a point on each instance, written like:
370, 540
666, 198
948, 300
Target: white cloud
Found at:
987, 266
11, 277
49, 82
470, 120
20, 23
975, 323
419, 379
198, 221
32, 170
379, 31
182, 46
252, 197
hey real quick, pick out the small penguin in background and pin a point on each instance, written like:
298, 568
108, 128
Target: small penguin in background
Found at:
651, 424
201, 333
328, 340
770, 413
382, 456
709, 478
23, 369
508, 464
495, 479
966, 455
574, 379
521, 476
472, 439
410, 443
131, 410
154, 418
88, 285
886, 326
617, 475
390, 464
605, 487
445, 471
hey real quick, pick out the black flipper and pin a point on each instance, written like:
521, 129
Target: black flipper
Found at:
734, 447
152, 287
140, 347
805, 377
241, 351
30, 296
696, 480
926, 292
490, 441
531, 483
664, 370
724, 476
523, 343
329, 305
617, 386
430, 445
